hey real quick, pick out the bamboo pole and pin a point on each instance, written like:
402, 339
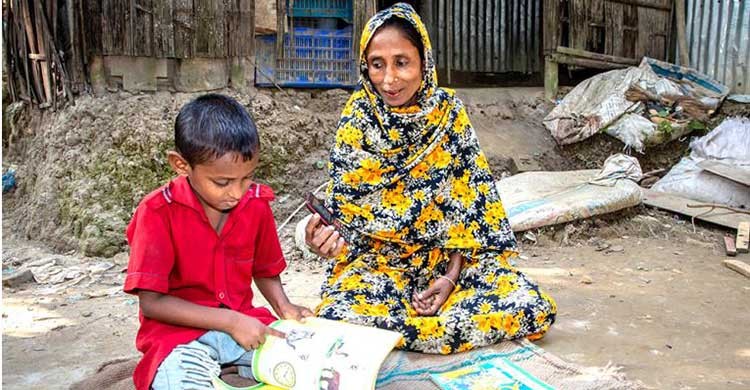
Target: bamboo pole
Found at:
681, 36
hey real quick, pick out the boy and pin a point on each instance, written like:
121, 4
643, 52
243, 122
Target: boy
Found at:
195, 246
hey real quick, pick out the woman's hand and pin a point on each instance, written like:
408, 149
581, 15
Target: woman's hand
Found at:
294, 312
324, 240
251, 333
429, 301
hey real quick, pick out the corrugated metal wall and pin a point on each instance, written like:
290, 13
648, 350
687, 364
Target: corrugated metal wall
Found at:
493, 36
718, 33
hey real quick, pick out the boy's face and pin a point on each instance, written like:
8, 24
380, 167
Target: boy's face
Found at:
219, 184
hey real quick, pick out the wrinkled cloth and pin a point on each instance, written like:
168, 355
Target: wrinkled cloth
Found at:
411, 186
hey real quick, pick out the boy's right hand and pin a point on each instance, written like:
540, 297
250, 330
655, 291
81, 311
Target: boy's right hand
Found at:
324, 240
251, 333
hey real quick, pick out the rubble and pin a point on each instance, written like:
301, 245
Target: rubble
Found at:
651, 104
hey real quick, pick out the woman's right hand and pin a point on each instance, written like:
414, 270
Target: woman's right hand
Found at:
324, 240
251, 333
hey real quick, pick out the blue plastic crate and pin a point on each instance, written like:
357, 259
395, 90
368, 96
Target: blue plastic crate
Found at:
319, 58
321, 9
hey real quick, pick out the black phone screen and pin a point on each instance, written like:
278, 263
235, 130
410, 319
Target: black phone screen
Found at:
316, 205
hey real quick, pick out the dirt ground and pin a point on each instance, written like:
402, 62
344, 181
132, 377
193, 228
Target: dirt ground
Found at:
642, 289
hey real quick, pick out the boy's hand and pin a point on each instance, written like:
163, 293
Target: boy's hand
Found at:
294, 312
251, 333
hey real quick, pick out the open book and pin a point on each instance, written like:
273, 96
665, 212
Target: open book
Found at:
320, 354
496, 374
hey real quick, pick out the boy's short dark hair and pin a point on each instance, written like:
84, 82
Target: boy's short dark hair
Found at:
213, 125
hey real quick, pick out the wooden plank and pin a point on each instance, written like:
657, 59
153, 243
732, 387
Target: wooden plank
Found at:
630, 30
729, 247
240, 28
42, 50
579, 24
743, 237
614, 29
115, 27
232, 36
247, 27
731, 172
652, 4
738, 266
184, 28
57, 61
92, 19
9, 51
21, 42
551, 25
596, 56
163, 29
75, 61
209, 28
679, 204
585, 62
143, 27
31, 41
653, 27
596, 26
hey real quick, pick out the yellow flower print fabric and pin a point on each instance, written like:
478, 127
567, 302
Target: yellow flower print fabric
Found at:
412, 186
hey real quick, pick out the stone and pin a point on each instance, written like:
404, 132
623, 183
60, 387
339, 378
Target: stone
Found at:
17, 278
201, 74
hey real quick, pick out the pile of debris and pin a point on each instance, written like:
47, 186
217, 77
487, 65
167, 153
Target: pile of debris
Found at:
650, 104
655, 103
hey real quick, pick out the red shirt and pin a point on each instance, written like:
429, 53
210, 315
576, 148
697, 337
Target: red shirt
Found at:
174, 250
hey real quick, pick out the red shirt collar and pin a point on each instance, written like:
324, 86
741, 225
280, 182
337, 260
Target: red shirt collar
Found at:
179, 190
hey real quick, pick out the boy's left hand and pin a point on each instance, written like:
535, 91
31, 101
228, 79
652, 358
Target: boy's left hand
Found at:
294, 312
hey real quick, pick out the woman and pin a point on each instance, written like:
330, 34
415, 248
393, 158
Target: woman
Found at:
424, 246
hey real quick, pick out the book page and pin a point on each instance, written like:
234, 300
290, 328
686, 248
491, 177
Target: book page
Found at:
323, 354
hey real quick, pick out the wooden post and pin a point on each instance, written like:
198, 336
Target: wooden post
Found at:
9, 49
24, 52
44, 61
550, 78
743, 237
35, 74
551, 35
681, 36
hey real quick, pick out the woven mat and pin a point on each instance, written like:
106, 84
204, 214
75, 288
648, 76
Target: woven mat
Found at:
410, 371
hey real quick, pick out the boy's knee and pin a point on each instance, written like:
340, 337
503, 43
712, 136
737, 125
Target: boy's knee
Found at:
189, 366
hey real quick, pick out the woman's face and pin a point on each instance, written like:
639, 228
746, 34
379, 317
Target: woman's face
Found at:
394, 66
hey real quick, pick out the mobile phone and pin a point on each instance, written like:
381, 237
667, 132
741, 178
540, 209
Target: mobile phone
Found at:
316, 205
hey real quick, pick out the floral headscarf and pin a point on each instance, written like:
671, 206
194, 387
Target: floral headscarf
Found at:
413, 176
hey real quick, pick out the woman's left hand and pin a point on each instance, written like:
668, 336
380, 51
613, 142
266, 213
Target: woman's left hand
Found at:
429, 301
295, 312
